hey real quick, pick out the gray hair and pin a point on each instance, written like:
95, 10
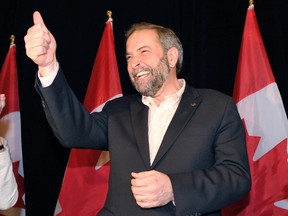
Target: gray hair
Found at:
167, 38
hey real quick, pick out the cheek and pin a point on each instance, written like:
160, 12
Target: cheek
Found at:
129, 69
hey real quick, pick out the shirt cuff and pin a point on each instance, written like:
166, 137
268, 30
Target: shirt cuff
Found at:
48, 80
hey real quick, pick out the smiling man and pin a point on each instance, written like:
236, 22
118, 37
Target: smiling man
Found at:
174, 149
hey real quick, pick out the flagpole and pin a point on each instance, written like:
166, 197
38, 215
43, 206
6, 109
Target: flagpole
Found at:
109, 14
104, 85
12, 39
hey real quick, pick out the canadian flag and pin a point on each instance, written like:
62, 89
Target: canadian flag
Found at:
85, 184
10, 124
261, 109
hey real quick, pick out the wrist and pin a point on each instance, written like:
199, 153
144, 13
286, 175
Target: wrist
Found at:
46, 70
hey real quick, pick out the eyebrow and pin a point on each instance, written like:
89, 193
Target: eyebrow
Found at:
141, 48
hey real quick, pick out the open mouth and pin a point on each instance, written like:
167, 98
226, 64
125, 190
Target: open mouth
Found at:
141, 75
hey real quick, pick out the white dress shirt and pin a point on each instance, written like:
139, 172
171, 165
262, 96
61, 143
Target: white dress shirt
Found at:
159, 117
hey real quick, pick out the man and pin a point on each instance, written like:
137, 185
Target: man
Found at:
174, 150
8, 185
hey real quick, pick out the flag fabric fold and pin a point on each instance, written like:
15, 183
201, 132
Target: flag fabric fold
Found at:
85, 183
262, 111
10, 125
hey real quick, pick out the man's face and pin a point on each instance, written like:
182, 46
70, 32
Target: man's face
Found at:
147, 63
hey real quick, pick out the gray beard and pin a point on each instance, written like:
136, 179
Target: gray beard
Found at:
157, 80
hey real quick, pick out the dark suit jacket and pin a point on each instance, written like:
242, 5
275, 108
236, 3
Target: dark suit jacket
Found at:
203, 151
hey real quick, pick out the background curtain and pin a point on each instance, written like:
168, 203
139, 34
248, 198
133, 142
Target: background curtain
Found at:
211, 33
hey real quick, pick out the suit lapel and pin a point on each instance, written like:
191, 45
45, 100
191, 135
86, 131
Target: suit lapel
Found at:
187, 106
139, 116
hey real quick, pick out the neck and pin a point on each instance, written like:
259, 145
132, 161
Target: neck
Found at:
167, 89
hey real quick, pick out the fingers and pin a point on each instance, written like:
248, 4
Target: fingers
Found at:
2, 102
141, 174
144, 189
143, 179
37, 39
2, 97
40, 45
144, 174
36, 43
139, 187
151, 188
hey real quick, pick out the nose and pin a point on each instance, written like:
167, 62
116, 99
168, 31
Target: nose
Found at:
134, 62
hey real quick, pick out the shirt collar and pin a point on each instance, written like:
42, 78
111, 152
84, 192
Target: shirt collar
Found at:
149, 101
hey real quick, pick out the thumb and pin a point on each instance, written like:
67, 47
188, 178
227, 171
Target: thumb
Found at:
37, 18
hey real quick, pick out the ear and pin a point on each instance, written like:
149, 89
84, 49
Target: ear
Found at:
172, 55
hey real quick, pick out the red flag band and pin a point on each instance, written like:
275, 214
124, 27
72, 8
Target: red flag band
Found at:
85, 183
10, 124
261, 109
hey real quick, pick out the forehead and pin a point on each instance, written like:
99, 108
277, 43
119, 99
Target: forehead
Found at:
140, 38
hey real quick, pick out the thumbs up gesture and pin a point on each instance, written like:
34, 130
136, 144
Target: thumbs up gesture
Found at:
41, 46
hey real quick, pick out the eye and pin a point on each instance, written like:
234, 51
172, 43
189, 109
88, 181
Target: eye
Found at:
144, 51
128, 57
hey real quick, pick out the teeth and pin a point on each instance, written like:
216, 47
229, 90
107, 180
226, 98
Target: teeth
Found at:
141, 74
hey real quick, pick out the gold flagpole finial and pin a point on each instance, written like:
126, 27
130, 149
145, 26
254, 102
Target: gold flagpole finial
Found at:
251, 2
12, 39
109, 14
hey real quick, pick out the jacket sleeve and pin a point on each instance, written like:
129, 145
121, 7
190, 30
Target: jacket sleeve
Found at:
71, 123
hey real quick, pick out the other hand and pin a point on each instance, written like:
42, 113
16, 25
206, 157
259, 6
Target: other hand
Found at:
151, 189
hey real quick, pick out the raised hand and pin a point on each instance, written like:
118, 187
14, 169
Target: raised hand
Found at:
41, 46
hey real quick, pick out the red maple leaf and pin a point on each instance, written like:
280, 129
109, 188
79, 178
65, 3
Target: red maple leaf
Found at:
269, 181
